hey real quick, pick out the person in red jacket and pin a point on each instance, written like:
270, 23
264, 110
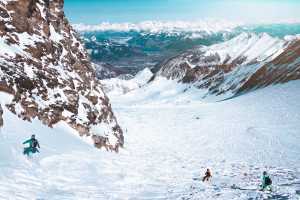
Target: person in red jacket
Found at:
207, 175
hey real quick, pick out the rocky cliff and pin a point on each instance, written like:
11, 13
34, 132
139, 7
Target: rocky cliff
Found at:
44, 65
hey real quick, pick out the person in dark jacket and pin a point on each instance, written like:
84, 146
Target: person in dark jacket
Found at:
207, 175
33, 146
266, 182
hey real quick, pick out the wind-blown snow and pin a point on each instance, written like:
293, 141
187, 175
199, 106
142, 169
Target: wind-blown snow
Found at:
170, 141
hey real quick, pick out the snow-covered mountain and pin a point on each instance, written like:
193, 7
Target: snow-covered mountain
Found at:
46, 70
146, 44
245, 62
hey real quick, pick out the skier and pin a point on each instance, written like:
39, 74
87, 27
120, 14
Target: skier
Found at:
266, 182
33, 146
207, 175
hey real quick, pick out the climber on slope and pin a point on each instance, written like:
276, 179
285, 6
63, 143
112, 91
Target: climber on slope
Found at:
266, 182
33, 146
207, 175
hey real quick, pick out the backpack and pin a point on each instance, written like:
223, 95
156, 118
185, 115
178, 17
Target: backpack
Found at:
34, 143
268, 181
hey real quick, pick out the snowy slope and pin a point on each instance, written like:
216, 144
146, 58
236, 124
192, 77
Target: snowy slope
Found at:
119, 85
168, 144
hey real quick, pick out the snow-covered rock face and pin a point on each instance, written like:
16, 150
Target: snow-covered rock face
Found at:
46, 69
228, 66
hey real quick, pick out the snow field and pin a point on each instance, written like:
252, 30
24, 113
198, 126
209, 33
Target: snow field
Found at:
170, 141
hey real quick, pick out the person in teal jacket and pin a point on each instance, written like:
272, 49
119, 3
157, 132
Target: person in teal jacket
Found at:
266, 182
33, 146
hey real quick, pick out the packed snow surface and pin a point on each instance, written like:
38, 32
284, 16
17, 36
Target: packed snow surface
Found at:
172, 136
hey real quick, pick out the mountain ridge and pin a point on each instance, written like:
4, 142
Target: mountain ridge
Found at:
227, 67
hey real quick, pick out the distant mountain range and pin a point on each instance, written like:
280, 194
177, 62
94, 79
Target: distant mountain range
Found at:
134, 47
243, 63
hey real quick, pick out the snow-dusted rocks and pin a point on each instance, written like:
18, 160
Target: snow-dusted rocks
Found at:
229, 66
44, 66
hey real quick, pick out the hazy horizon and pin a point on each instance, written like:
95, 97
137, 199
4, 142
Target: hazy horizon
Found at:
134, 11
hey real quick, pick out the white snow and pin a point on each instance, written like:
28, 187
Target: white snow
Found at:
29, 71
24, 40
56, 37
41, 8
170, 139
82, 113
7, 50
292, 37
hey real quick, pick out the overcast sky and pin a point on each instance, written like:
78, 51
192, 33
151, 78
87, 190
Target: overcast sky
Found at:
251, 11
